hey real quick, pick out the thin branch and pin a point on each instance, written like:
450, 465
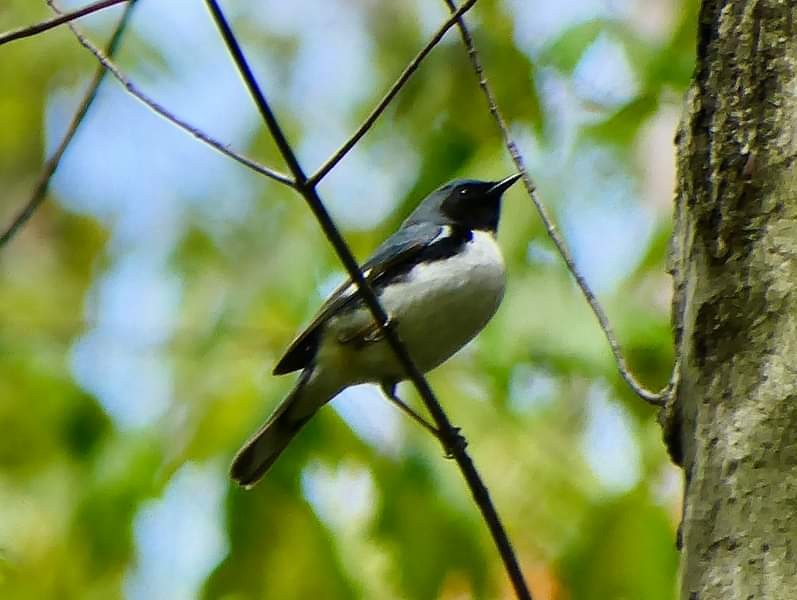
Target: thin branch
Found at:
449, 436
32, 30
158, 108
388, 97
43, 181
656, 399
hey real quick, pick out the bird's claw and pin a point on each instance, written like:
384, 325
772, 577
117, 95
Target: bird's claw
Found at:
391, 322
375, 333
455, 443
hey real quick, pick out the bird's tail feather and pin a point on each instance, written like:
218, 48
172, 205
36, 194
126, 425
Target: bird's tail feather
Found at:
264, 447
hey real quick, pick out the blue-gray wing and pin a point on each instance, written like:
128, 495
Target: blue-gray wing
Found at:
397, 251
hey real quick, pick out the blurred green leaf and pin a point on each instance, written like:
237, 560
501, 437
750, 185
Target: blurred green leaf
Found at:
566, 50
610, 559
621, 128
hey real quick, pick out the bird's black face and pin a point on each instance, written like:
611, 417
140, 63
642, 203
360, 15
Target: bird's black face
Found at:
475, 204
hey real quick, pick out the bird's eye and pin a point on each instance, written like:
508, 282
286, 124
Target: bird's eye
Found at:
464, 192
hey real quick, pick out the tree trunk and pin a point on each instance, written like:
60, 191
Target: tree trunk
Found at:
732, 420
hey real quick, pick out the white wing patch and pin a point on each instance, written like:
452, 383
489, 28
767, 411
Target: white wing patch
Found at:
445, 232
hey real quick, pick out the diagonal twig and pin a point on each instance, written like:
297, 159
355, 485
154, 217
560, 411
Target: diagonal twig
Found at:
388, 97
159, 109
43, 181
37, 28
656, 399
448, 435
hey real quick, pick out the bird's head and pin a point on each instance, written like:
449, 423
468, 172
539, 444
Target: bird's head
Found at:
465, 202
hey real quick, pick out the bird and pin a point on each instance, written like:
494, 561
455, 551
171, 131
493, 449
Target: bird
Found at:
440, 278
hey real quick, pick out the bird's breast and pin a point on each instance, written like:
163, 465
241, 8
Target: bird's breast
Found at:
463, 289
439, 306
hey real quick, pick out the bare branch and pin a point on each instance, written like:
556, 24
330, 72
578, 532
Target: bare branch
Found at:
43, 181
37, 28
388, 97
656, 399
158, 108
449, 436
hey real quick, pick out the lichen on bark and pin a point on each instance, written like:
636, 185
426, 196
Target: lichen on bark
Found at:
732, 419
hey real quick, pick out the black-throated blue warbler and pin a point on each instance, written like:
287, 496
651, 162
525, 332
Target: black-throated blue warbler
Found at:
440, 278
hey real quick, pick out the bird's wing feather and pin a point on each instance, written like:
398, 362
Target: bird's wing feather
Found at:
402, 246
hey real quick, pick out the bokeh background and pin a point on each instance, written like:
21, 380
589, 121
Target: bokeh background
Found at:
142, 308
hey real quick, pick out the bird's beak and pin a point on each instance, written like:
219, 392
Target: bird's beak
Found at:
503, 185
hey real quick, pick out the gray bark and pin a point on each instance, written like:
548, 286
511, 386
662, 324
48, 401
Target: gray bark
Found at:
732, 419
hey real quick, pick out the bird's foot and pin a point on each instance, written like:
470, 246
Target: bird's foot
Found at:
455, 442
373, 333
391, 322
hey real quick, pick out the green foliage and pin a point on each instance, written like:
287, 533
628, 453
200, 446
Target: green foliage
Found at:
607, 556
565, 51
249, 266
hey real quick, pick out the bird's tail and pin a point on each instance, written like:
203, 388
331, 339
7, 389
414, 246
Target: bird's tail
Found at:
265, 446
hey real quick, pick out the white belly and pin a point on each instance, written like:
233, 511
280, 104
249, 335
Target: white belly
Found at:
439, 309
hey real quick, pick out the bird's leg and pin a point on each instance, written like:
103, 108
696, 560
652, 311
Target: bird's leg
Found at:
389, 389
453, 441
